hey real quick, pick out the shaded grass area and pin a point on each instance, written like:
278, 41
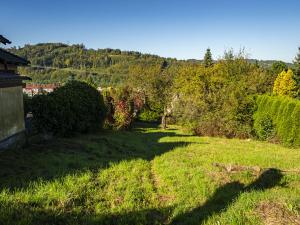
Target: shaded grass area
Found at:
146, 176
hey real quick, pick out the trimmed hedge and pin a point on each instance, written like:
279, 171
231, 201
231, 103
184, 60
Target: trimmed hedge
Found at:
279, 116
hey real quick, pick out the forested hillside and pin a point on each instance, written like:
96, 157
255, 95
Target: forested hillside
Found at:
57, 62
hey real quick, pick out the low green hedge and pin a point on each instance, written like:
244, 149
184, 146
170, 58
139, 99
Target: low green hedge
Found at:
278, 116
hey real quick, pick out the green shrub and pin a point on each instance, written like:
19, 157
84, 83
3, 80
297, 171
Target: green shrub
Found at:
74, 107
264, 127
149, 116
281, 114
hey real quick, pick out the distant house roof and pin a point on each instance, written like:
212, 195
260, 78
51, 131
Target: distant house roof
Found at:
11, 58
42, 86
3, 40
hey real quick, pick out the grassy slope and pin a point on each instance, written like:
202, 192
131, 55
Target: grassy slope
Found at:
147, 176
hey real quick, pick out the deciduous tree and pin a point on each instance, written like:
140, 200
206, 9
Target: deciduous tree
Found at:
285, 84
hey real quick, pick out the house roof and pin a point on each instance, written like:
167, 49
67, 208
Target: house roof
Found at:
5, 76
43, 86
3, 40
12, 58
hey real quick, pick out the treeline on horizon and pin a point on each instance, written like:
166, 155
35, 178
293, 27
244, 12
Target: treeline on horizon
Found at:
57, 62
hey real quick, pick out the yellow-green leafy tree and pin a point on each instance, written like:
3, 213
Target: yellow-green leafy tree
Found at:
285, 84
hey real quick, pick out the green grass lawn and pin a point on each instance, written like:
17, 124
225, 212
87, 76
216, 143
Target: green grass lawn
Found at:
149, 176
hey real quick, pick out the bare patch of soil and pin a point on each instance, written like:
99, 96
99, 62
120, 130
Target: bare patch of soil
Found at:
276, 214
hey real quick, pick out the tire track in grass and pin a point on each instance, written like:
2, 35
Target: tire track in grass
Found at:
163, 212
156, 182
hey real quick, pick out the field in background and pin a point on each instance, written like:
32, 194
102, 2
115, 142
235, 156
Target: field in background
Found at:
150, 176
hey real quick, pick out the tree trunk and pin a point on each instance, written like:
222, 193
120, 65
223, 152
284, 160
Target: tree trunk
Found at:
163, 119
163, 122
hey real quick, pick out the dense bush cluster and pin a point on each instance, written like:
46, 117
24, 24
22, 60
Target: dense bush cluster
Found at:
217, 100
74, 107
278, 116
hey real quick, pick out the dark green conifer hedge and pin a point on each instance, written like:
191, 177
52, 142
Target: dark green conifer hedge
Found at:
278, 116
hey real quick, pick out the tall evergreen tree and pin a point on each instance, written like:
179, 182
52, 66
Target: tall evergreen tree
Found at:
278, 67
208, 61
163, 65
297, 67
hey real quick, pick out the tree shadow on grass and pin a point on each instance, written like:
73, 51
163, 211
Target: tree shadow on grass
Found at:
222, 198
225, 195
35, 215
59, 157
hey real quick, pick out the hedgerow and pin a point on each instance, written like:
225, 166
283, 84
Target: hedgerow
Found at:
280, 116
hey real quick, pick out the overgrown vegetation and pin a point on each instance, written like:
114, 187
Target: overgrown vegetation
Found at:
217, 100
280, 115
212, 98
148, 176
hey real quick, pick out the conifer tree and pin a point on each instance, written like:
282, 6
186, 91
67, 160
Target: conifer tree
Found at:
208, 61
285, 84
278, 67
297, 67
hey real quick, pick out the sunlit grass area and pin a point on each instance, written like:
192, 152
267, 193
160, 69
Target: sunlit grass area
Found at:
150, 176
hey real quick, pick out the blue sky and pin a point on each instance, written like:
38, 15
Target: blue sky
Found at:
267, 29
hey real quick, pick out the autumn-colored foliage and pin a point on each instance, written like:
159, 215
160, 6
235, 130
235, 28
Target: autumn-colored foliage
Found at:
285, 84
123, 104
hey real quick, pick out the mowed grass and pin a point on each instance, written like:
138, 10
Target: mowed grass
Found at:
149, 176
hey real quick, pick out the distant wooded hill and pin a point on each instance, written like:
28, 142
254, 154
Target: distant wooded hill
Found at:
57, 62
